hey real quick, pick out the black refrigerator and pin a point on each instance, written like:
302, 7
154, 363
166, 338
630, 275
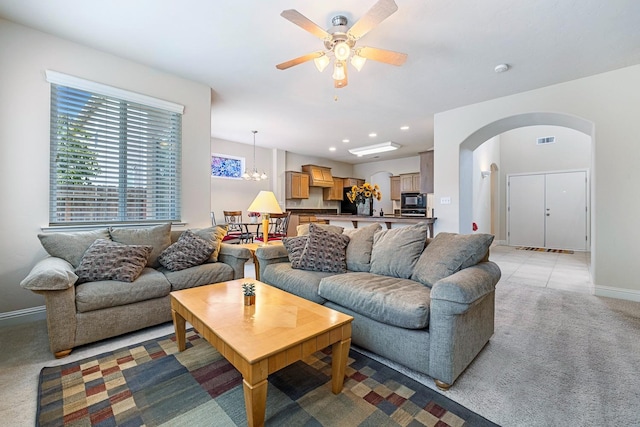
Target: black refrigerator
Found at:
347, 207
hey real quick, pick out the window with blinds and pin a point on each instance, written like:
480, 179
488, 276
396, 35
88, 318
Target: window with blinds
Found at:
112, 160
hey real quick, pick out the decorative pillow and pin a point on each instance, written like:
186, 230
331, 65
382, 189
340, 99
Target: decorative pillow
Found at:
107, 260
213, 235
360, 246
295, 247
396, 251
303, 230
71, 246
448, 253
325, 251
190, 250
159, 237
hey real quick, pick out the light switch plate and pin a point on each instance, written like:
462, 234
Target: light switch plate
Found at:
445, 200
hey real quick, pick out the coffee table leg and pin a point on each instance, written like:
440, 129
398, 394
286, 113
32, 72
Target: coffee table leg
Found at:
180, 328
339, 354
255, 401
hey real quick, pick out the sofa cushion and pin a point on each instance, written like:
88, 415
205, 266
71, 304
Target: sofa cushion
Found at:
298, 282
325, 251
190, 250
97, 295
399, 302
360, 246
158, 237
107, 260
448, 253
198, 275
396, 251
303, 230
295, 247
71, 246
214, 235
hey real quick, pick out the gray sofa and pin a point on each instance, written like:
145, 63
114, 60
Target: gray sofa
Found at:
427, 304
80, 313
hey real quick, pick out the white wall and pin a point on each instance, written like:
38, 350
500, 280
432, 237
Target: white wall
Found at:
25, 54
610, 101
520, 154
237, 194
483, 157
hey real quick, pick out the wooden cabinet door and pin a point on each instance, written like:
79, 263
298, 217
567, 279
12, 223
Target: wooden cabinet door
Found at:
395, 188
304, 186
335, 192
406, 183
415, 182
297, 185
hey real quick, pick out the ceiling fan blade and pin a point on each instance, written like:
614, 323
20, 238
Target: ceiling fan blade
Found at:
305, 23
338, 84
378, 13
299, 60
381, 55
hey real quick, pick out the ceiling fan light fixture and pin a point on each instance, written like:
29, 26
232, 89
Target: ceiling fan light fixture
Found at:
358, 61
342, 51
374, 149
338, 71
321, 62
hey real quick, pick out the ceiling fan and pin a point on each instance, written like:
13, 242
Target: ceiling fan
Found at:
340, 42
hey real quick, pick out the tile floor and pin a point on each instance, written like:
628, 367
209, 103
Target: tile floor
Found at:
569, 272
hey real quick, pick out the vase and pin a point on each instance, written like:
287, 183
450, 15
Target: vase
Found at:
249, 299
366, 207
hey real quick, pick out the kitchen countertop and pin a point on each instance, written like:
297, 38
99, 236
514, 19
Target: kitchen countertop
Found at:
387, 219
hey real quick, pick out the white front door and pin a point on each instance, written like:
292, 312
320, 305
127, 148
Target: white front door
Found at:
566, 211
548, 210
526, 203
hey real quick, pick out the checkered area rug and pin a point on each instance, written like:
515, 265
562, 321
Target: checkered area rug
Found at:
557, 251
153, 384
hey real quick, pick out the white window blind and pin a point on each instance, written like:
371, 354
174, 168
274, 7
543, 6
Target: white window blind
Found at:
112, 160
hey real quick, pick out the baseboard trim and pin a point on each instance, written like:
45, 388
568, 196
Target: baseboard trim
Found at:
25, 315
618, 293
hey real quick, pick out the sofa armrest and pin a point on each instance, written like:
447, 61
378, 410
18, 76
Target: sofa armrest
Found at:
236, 257
267, 255
461, 319
50, 274
466, 286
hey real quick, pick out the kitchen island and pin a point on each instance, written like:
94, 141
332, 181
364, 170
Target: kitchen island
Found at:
388, 220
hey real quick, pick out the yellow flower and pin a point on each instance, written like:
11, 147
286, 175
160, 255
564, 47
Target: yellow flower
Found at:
354, 189
376, 187
367, 194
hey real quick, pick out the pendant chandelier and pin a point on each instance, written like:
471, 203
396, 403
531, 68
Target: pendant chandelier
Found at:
254, 175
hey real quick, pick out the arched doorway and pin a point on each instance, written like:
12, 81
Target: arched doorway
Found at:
498, 127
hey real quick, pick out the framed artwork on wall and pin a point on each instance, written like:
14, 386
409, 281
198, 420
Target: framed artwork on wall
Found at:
226, 166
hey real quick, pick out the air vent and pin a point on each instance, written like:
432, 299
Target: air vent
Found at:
546, 140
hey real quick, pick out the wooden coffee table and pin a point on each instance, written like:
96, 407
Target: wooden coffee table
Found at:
260, 339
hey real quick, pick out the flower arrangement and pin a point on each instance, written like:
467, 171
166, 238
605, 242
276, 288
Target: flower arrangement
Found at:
254, 214
249, 289
359, 193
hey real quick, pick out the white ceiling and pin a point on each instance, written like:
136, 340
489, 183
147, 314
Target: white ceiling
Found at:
452, 47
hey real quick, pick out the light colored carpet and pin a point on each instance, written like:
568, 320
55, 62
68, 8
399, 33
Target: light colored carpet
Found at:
557, 358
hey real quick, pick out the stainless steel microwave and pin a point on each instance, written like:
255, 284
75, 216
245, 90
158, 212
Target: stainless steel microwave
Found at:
413, 201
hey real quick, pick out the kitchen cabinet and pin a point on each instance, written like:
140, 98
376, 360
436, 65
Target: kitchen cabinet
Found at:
297, 185
426, 172
319, 176
394, 187
350, 182
410, 182
335, 192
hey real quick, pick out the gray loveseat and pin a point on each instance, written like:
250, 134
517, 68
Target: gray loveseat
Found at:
83, 312
427, 304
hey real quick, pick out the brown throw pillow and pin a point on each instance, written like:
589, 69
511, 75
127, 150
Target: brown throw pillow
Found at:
295, 247
107, 260
325, 251
214, 235
190, 250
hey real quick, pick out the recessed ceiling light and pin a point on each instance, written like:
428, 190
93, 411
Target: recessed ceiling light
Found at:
501, 68
332, 148
373, 134
345, 140
404, 128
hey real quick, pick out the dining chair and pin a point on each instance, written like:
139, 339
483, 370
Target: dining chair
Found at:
236, 228
278, 224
